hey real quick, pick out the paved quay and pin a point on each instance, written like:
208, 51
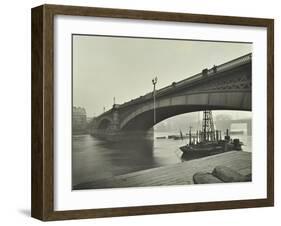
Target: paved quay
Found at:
176, 174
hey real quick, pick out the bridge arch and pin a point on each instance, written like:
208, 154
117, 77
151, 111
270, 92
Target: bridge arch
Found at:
104, 124
142, 118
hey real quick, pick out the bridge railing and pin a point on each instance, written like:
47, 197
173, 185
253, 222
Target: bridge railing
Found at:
223, 67
209, 72
232, 64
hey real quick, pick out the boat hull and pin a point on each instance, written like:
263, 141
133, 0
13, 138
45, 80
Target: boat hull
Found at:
198, 151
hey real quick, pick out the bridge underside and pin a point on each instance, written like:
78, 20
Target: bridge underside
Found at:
142, 119
145, 121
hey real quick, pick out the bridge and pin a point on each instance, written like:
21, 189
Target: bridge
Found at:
248, 123
227, 123
224, 87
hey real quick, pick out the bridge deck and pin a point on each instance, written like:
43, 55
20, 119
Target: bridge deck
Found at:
177, 174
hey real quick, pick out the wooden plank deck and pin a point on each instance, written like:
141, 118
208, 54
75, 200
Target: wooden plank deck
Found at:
176, 174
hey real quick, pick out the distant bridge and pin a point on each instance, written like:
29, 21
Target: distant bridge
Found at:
248, 123
227, 124
224, 87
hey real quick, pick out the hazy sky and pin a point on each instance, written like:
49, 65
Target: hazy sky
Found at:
107, 67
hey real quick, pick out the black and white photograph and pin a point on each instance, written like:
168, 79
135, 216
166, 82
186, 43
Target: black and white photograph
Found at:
160, 112
139, 112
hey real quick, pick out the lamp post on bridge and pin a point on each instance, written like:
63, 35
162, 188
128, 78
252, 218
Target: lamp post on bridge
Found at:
154, 81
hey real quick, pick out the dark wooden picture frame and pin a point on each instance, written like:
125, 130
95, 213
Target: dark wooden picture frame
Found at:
42, 203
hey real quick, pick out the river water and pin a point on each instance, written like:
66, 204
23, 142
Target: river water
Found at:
94, 159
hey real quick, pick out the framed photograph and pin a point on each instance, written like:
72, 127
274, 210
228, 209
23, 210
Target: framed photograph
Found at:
142, 112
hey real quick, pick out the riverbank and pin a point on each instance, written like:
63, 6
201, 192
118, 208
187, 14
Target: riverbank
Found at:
175, 174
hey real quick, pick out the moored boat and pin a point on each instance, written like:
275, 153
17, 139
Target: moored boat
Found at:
208, 141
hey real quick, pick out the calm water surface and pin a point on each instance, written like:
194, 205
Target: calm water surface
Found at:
96, 159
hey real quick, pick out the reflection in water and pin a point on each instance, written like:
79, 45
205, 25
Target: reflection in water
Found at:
94, 159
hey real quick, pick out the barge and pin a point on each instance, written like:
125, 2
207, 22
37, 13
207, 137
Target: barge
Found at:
209, 141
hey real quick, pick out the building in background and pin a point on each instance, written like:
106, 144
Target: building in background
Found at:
79, 120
